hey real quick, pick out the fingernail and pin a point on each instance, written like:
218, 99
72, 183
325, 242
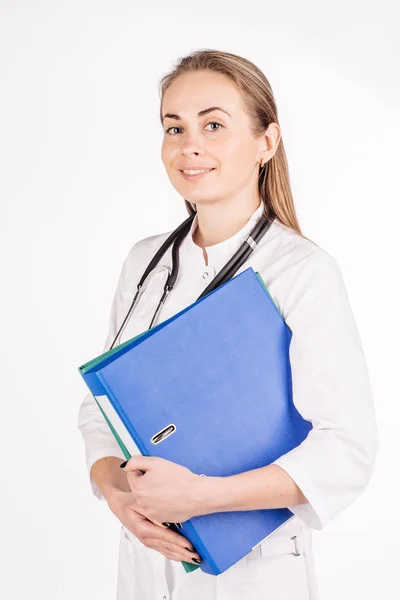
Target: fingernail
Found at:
122, 465
196, 561
190, 549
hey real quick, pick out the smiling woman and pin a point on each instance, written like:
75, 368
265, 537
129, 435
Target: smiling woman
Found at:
223, 152
210, 151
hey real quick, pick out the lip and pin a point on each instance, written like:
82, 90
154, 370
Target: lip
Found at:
195, 177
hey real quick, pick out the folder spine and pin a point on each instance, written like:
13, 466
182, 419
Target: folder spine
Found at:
125, 421
189, 531
94, 384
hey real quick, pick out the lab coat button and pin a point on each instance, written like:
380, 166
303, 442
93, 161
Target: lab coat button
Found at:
205, 275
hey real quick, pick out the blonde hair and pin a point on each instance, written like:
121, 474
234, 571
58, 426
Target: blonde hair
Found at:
273, 182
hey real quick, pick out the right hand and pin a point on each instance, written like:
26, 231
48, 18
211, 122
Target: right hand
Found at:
152, 534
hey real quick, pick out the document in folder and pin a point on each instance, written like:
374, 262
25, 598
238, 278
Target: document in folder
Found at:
210, 389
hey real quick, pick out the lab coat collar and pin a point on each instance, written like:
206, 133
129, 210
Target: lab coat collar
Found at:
218, 254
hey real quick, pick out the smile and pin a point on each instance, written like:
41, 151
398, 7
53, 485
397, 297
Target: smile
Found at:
194, 174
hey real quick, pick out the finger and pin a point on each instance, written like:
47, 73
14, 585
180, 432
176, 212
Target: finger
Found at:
152, 529
165, 540
133, 479
177, 557
179, 540
175, 552
170, 555
143, 463
158, 523
165, 535
134, 475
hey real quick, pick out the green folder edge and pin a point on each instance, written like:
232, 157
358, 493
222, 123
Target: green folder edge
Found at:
187, 566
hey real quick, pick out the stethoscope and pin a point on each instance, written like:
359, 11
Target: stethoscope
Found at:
175, 239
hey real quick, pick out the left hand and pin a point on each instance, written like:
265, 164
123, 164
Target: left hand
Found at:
166, 492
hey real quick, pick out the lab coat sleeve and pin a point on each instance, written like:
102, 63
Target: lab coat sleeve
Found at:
97, 436
331, 389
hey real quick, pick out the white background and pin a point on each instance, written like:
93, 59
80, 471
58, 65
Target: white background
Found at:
82, 180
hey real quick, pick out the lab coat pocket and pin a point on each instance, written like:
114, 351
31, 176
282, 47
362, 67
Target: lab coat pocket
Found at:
281, 577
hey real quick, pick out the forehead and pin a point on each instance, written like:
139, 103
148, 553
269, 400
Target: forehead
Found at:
192, 92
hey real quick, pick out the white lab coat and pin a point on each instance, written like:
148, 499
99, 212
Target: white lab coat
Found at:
331, 388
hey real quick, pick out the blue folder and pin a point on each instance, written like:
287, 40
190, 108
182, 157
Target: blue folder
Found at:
210, 389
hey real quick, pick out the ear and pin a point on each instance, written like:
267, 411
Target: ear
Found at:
272, 137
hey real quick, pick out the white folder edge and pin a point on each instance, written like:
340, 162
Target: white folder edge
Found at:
118, 425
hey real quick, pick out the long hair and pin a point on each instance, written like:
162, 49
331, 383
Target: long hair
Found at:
273, 179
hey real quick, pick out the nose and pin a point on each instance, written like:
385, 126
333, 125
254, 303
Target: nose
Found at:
193, 143
190, 151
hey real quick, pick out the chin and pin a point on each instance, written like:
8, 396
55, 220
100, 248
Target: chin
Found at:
202, 200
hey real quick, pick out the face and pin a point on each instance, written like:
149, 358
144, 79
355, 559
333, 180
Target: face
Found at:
196, 138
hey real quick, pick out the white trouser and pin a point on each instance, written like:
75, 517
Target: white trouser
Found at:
280, 568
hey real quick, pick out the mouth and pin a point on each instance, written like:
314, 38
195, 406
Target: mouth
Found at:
195, 174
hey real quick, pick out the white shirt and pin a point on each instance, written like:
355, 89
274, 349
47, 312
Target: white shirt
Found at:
331, 386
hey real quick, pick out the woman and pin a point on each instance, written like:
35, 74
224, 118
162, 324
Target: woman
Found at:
219, 116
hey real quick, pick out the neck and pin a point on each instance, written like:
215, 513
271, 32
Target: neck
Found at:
218, 222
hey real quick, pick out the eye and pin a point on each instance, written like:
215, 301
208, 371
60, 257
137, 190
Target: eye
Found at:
210, 123
169, 128
214, 123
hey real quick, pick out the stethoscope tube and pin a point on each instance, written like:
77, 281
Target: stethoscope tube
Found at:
239, 257
183, 229
176, 238
171, 279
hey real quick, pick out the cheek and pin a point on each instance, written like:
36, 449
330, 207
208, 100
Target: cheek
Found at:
243, 159
165, 155
233, 152
239, 148
237, 164
168, 151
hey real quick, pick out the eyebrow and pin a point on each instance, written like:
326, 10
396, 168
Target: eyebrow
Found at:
199, 114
